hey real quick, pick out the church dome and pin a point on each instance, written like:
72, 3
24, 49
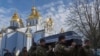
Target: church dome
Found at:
16, 18
49, 21
34, 14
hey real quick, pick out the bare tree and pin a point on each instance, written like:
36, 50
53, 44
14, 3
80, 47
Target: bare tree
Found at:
85, 16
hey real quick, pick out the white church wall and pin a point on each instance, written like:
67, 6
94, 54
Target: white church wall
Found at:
21, 41
3, 46
11, 41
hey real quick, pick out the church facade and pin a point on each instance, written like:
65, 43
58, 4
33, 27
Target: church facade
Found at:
18, 35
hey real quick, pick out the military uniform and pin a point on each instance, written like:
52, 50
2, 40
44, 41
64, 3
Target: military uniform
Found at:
74, 51
86, 51
51, 53
41, 51
61, 50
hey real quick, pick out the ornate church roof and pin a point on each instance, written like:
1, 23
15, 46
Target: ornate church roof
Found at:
34, 14
16, 18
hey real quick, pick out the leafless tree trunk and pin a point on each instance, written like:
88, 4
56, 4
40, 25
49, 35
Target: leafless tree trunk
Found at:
87, 19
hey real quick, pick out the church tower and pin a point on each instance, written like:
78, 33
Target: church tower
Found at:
33, 17
16, 21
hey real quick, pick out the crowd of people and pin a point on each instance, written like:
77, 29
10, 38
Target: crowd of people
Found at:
60, 49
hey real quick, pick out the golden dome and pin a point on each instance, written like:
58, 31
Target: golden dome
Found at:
16, 18
50, 21
34, 13
49, 24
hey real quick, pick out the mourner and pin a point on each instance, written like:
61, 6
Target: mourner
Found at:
60, 48
74, 49
51, 51
86, 49
41, 49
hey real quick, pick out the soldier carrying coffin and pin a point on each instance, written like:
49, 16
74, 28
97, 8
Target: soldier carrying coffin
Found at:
86, 49
60, 48
41, 49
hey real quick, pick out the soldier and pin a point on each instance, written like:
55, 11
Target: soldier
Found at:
86, 50
32, 50
50, 52
74, 49
60, 48
23, 52
41, 49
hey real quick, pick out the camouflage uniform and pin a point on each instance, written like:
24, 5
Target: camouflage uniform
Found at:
41, 51
86, 51
75, 51
61, 50
51, 53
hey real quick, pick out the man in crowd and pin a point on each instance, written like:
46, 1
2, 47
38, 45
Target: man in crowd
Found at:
41, 49
60, 48
86, 49
74, 49
50, 51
